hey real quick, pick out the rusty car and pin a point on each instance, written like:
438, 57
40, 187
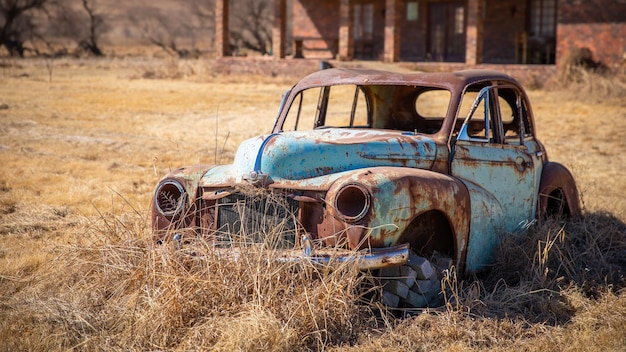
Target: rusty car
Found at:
414, 172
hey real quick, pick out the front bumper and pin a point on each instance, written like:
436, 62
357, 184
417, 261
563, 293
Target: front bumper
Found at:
366, 259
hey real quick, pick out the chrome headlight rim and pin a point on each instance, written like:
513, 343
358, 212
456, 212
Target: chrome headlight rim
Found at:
352, 202
169, 198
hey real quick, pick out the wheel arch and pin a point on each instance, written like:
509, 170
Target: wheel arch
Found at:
557, 182
441, 229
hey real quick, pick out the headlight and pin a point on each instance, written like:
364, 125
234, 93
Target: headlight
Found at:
352, 202
170, 198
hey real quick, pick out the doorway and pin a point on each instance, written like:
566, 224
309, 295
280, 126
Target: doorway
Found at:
446, 32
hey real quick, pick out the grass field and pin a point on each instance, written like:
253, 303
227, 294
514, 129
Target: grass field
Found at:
83, 143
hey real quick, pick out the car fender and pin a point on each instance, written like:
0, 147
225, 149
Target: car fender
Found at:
400, 195
185, 183
554, 177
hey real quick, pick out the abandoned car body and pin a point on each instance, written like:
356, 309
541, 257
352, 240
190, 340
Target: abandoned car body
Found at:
395, 166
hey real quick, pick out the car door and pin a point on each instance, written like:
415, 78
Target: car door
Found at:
498, 171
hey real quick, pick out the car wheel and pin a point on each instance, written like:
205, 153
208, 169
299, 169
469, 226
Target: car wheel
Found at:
416, 284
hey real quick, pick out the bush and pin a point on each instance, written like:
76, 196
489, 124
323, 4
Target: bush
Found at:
588, 79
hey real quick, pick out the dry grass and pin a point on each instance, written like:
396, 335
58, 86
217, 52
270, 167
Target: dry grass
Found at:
81, 154
111, 289
588, 80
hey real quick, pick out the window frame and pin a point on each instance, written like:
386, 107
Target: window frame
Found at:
491, 99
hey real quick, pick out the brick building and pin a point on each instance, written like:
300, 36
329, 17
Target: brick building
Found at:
467, 31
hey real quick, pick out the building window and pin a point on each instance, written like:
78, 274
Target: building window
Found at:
459, 20
363, 21
543, 18
368, 21
412, 11
358, 28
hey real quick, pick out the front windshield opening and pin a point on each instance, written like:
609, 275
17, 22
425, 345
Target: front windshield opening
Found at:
415, 109
341, 106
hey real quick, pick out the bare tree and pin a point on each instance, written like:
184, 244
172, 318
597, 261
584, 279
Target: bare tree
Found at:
81, 21
17, 23
96, 26
161, 29
177, 31
251, 25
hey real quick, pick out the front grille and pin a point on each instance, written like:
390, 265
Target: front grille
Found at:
260, 218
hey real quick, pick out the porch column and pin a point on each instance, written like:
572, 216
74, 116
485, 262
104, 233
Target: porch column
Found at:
346, 28
279, 29
474, 32
221, 28
392, 30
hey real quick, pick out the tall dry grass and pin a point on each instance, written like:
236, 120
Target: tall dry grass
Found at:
112, 289
585, 79
537, 277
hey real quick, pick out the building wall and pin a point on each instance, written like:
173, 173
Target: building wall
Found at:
599, 25
316, 25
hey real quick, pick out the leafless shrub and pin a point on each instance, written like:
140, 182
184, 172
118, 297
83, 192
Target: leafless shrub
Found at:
96, 26
179, 32
588, 79
251, 26
168, 68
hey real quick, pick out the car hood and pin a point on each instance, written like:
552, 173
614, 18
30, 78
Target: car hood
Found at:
304, 155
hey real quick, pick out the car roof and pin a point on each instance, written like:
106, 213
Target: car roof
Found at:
359, 76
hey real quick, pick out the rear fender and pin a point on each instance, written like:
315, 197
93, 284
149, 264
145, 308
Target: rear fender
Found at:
555, 177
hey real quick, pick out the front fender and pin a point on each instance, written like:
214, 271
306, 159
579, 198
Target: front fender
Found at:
179, 187
400, 195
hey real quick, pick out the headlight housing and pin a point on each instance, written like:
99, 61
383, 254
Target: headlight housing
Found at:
169, 198
352, 202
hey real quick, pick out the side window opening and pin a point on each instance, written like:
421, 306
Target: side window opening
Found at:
478, 126
514, 115
431, 107
498, 114
432, 104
